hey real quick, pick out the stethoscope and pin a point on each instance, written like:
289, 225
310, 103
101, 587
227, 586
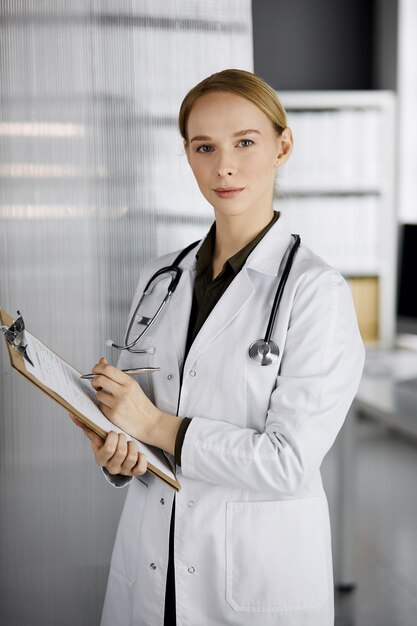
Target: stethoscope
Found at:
262, 351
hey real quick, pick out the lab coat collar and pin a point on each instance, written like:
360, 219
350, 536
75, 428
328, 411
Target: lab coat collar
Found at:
266, 258
267, 255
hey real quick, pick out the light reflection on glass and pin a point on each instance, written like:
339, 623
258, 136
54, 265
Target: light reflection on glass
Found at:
41, 129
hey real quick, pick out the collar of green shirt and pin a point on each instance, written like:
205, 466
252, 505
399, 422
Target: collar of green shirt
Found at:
235, 263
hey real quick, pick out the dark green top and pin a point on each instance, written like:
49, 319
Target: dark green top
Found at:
207, 292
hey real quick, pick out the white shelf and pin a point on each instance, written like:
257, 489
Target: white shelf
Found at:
338, 100
292, 189
338, 187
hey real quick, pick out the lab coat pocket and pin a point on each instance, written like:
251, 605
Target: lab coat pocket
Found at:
275, 555
126, 547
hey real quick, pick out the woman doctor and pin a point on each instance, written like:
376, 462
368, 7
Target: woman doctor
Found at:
246, 541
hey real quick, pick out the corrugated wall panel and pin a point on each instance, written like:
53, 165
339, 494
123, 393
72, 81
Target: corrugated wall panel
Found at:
93, 182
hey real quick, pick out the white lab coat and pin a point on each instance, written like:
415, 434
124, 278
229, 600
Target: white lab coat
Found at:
252, 533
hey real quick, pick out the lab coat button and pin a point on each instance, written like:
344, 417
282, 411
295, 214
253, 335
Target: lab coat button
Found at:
191, 570
192, 373
152, 566
162, 501
191, 504
170, 376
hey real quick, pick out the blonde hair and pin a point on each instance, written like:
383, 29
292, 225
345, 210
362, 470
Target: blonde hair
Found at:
242, 83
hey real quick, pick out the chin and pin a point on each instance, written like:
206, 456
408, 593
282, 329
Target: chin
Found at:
231, 211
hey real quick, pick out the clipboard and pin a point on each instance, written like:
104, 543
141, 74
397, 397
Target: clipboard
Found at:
17, 361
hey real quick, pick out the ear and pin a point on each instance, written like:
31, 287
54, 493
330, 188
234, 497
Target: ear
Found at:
286, 142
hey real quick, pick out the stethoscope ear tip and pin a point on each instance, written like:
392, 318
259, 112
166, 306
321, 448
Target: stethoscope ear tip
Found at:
109, 343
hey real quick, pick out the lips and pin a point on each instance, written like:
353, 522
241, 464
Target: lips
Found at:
228, 192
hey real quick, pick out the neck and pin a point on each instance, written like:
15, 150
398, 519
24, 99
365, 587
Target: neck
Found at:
234, 232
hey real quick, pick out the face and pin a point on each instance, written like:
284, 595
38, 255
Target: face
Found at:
234, 152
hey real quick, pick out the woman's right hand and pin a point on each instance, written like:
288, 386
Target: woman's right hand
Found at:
115, 453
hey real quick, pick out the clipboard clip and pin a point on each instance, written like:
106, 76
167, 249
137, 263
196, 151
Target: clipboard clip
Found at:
15, 335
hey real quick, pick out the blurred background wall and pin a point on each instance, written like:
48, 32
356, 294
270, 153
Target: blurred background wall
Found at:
93, 182
316, 44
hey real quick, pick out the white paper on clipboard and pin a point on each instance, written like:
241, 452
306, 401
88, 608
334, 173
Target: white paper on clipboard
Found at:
60, 377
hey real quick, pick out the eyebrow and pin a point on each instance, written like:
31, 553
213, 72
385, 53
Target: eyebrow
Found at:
238, 134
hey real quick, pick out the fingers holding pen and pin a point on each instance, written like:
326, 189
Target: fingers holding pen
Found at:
114, 396
105, 395
103, 382
109, 383
123, 402
111, 373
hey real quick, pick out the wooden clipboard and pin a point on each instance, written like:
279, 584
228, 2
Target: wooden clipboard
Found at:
18, 363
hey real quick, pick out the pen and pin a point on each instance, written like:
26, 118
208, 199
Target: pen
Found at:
137, 370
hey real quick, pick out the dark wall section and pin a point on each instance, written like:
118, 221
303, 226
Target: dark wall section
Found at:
385, 44
314, 44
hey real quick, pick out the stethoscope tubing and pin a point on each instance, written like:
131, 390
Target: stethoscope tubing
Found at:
176, 273
280, 290
258, 349
147, 327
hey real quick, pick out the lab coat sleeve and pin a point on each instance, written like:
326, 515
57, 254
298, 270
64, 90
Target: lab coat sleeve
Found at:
319, 375
116, 480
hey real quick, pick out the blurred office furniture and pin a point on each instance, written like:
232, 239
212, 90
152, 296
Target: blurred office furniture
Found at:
407, 280
338, 193
388, 391
387, 394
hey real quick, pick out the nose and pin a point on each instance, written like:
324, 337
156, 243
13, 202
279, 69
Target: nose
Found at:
225, 166
222, 172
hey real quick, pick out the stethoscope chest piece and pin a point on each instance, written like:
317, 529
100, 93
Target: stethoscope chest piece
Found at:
264, 352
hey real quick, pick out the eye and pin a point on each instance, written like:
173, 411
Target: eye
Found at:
248, 142
202, 149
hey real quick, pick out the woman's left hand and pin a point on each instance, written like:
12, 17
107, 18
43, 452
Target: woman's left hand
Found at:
124, 403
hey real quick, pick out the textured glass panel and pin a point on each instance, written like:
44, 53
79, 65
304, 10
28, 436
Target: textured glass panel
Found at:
93, 182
